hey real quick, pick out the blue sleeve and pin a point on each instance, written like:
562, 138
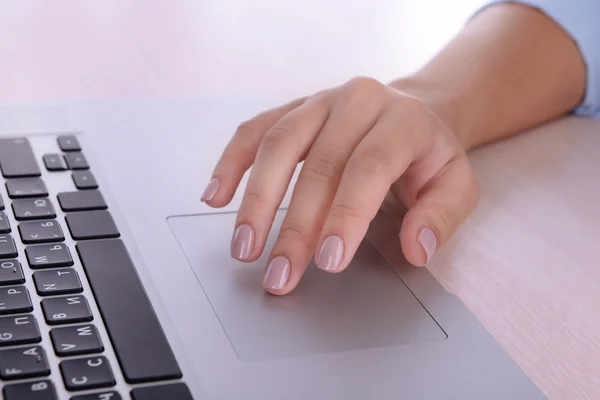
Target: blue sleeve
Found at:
581, 19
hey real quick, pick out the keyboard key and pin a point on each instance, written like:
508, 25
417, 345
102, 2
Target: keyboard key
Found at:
20, 329
87, 373
76, 161
55, 162
30, 209
8, 249
40, 232
57, 281
84, 180
76, 340
109, 395
14, 300
26, 187
91, 225
68, 143
4, 224
83, 200
66, 310
17, 158
1, 203
48, 256
38, 390
177, 391
23, 362
11, 272
127, 312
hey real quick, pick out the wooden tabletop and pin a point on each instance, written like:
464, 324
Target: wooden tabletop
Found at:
526, 263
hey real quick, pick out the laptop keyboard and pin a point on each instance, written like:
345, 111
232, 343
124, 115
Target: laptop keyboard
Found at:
74, 317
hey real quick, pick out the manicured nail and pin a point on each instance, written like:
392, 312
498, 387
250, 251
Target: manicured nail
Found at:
277, 274
211, 189
241, 244
428, 240
331, 253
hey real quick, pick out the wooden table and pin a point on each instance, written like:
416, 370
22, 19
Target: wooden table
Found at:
526, 263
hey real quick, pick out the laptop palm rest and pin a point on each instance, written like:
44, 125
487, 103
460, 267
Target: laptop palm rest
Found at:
365, 306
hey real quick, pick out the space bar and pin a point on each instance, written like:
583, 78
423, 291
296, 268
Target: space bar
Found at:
136, 335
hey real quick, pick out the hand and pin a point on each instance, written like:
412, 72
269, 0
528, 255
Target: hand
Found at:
359, 142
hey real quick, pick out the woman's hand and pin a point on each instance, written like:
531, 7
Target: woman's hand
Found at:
358, 141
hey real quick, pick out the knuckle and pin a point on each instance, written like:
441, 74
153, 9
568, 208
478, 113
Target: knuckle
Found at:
294, 230
373, 161
246, 128
321, 96
254, 199
275, 139
344, 212
363, 95
410, 108
362, 84
248, 133
280, 131
322, 168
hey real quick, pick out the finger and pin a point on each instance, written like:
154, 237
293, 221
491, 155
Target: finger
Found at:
351, 118
383, 155
439, 210
279, 152
239, 155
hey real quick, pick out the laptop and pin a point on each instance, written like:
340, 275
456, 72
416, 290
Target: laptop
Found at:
116, 281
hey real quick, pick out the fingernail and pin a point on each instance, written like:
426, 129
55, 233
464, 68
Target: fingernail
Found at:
241, 244
428, 240
277, 274
331, 253
211, 189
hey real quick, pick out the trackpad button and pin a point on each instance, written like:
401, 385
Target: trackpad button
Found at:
365, 306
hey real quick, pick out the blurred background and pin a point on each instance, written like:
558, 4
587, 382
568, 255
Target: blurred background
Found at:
67, 50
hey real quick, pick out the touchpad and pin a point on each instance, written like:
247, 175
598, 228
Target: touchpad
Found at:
365, 306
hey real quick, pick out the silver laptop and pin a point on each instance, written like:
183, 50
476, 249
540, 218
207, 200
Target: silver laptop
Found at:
116, 281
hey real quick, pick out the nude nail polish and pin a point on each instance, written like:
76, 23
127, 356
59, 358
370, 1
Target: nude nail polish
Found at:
242, 242
428, 240
211, 189
277, 273
331, 253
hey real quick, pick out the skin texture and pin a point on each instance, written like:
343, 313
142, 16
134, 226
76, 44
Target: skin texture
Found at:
363, 142
510, 69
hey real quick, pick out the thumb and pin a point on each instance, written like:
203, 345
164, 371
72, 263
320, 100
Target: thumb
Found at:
439, 210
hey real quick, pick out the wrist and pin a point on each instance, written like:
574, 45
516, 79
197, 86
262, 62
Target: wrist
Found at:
447, 105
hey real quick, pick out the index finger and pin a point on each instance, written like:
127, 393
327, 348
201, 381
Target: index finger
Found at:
240, 153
